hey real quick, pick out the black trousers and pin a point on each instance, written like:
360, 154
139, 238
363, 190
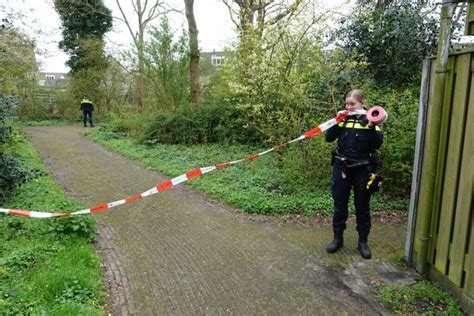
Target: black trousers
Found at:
355, 178
86, 114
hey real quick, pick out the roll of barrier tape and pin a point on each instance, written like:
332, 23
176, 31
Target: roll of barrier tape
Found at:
377, 115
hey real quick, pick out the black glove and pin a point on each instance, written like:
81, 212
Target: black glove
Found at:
374, 183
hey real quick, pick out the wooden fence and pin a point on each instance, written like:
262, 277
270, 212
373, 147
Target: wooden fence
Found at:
450, 255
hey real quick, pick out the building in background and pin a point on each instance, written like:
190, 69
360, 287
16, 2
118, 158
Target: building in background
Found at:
210, 64
52, 79
216, 59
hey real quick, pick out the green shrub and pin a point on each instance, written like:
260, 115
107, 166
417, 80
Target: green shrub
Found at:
398, 149
128, 121
11, 173
187, 124
393, 39
81, 226
304, 165
8, 106
307, 164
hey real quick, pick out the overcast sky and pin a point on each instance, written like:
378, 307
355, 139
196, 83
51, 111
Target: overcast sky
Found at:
42, 22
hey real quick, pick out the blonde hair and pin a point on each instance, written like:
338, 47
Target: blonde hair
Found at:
357, 94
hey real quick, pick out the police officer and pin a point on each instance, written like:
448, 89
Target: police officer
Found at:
87, 108
357, 141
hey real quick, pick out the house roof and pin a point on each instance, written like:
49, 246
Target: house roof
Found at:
213, 53
55, 74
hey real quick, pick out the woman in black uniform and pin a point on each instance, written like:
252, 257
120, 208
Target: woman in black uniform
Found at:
357, 141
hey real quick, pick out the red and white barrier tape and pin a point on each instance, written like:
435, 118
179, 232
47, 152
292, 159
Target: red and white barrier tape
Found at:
180, 179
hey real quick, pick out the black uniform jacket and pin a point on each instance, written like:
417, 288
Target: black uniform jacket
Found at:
355, 139
87, 105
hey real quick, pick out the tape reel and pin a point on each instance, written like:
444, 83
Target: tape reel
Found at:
377, 115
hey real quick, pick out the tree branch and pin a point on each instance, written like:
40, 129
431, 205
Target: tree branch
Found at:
288, 12
125, 20
231, 12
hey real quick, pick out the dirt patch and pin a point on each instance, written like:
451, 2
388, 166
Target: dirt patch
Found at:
387, 217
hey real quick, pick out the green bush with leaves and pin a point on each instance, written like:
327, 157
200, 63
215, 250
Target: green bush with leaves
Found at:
393, 38
8, 105
191, 124
398, 149
17, 60
166, 67
308, 163
11, 173
268, 77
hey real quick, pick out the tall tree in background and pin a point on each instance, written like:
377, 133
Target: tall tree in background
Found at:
166, 67
254, 19
392, 37
84, 24
145, 13
18, 63
17, 60
194, 52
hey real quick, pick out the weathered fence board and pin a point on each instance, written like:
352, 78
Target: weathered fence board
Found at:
459, 231
452, 168
450, 257
442, 153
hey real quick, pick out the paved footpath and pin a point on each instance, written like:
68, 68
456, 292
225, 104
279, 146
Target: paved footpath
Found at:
177, 252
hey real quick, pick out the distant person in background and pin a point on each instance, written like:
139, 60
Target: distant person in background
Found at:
87, 108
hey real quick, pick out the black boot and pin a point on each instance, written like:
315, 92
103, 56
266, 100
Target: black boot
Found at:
337, 242
363, 246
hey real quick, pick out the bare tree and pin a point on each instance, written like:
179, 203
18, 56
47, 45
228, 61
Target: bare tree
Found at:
145, 11
194, 52
258, 13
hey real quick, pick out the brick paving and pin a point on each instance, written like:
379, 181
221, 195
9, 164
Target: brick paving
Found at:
177, 252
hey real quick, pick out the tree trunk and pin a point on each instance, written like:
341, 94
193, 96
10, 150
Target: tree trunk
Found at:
141, 70
194, 52
140, 48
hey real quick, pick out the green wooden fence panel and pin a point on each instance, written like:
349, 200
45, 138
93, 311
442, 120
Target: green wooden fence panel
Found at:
451, 244
452, 167
442, 153
464, 197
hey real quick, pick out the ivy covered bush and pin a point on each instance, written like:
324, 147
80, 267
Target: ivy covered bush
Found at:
11, 173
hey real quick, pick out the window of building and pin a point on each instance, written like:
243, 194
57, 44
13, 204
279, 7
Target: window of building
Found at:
217, 60
50, 77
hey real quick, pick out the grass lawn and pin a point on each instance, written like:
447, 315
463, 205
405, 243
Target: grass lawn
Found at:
47, 266
248, 186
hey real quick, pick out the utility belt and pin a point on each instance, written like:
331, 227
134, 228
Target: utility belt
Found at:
374, 182
350, 163
346, 162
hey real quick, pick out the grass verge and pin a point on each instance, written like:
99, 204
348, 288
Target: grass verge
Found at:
422, 297
47, 266
248, 186
45, 122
